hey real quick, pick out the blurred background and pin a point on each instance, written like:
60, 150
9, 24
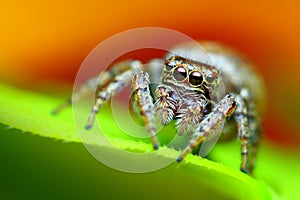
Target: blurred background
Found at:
43, 44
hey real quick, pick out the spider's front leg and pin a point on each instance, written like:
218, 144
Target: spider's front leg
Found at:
210, 123
144, 103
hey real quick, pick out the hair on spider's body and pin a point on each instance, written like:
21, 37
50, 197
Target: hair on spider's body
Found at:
190, 91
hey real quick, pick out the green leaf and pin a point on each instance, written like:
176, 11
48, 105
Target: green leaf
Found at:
194, 177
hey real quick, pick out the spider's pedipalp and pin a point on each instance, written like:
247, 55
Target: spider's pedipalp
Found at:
189, 119
165, 105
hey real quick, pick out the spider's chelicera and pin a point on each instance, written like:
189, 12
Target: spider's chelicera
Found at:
188, 91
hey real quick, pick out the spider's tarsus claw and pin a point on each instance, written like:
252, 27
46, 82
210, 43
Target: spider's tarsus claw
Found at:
88, 127
156, 146
244, 171
183, 154
179, 159
90, 121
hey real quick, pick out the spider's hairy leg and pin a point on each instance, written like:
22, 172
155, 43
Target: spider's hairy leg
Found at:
249, 127
144, 103
103, 94
165, 104
210, 123
240, 116
96, 82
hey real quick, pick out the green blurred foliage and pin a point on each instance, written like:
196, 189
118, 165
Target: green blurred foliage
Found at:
35, 167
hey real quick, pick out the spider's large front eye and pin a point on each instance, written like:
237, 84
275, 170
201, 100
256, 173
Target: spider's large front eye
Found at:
180, 74
195, 78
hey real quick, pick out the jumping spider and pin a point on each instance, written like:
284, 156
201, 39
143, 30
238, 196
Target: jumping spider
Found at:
184, 93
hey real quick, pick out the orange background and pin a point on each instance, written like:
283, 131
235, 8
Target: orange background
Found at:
44, 43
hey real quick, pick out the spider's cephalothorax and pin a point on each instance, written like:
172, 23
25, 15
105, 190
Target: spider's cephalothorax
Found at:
188, 91
185, 92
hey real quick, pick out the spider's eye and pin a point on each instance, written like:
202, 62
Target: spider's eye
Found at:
209, 78
169, 66
195, 78
180, 74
